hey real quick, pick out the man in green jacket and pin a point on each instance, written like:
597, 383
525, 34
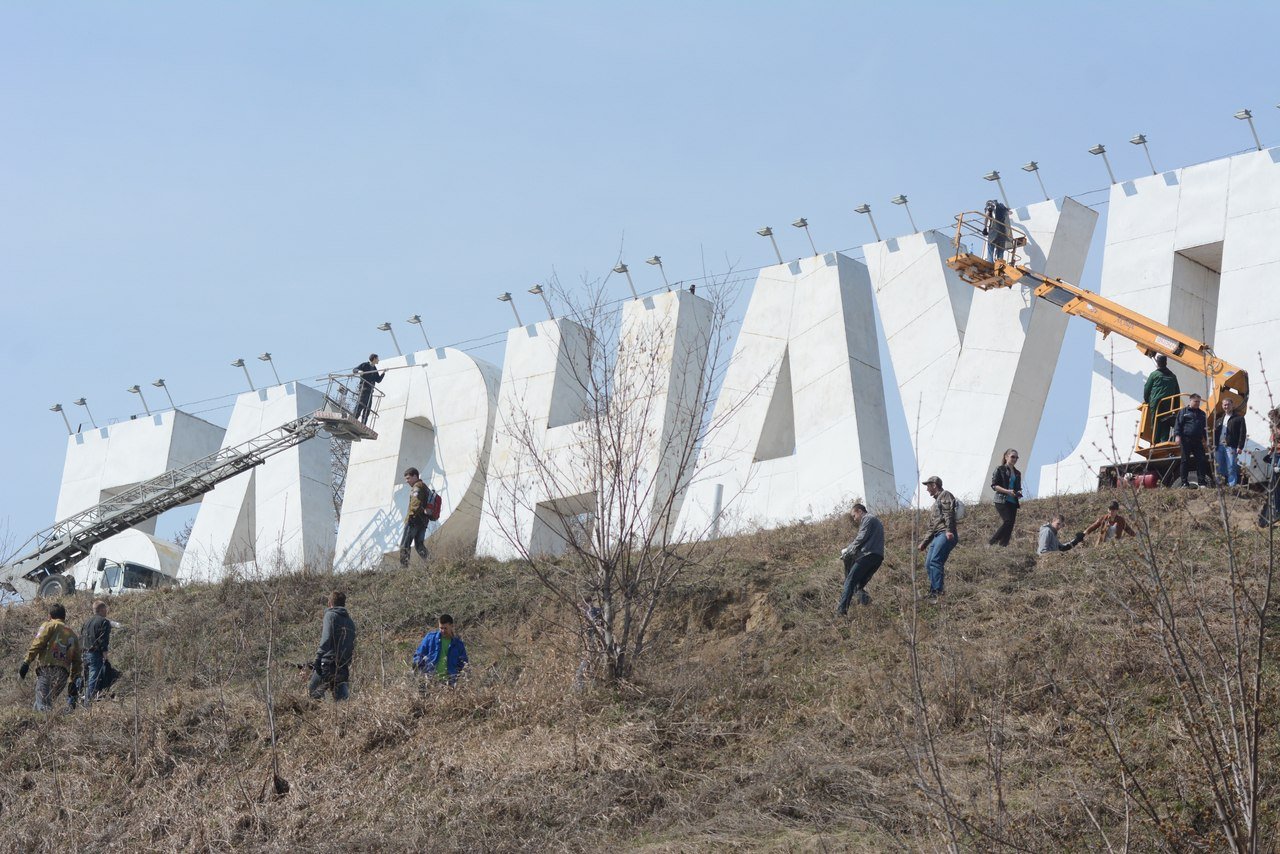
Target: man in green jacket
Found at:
1161, 384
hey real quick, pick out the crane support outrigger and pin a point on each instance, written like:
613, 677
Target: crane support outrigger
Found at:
1225, 380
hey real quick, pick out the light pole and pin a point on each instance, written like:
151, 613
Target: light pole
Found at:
137, 389
1246, 115
266, 357
902, 200
624, 270
1034, 168
657, 262
239, 363
416, 320
993, 175
80, 401
1141, 139
505, 296
1102, 150
865, 208
804, 223
537, 291
386, 327
160, 384
57, 407
768, 232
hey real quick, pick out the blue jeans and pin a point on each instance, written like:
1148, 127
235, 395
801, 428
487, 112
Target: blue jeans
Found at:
1227, 462
936, 559
993, 252
93, 664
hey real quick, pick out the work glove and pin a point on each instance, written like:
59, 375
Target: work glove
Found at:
22, 671
1079, 538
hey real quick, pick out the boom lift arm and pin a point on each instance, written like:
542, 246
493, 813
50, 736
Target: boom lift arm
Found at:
1151, 337
42, 560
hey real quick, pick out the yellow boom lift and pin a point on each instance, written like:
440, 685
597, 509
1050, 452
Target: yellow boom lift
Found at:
1226, 381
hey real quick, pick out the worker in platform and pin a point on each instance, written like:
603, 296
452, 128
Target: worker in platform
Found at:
1049, 542
1228, 443
996, 229
56, 653
369, 376
862, 558
415, 521
1110, 525
941, 535
1006, 483
1190, 430
1162, 383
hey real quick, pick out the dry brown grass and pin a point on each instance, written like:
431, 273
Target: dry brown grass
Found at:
759, 721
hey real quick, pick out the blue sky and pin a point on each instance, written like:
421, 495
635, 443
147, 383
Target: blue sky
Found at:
182, 184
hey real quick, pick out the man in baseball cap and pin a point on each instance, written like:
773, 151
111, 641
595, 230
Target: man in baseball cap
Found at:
941, 536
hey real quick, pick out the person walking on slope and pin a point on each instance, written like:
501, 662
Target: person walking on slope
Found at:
415, 520
56, 652
862, 558
1161, 384
332, 668
369, 375
1049, 543
1006, 482
442, 656
941, 535
1190, 430
1110, 525
95, 637
1228, 443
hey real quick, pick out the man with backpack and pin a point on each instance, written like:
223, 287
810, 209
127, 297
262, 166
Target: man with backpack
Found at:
56, 652
424, 508
940, 536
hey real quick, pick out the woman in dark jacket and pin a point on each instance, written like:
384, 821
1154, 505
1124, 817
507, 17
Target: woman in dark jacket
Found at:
1006, 481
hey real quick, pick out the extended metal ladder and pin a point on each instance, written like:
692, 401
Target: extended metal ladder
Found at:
56, 548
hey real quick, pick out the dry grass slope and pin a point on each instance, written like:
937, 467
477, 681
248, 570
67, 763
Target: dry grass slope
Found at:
758, 721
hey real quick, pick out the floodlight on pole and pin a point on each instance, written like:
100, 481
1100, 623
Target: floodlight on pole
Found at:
57, 407
657, 262
137, 389
80, 401
160, 384
804, 223
993, 175
1247, 116
1034, 168
865, 208
902, 200
768, 232
626, 271
505, 296
239, 363
416, 320
1141, 139
266, 357
385, 326
537, 291
1102, 150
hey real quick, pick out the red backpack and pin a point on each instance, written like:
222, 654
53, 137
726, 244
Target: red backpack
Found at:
432, 505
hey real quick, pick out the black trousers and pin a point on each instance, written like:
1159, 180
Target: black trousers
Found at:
1193, 449
1008, 513
857, 573
413, 535
365, 405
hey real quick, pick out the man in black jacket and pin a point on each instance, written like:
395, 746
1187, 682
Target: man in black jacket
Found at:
1190, 431
332, 668
1228, 441
95, 641
369, 375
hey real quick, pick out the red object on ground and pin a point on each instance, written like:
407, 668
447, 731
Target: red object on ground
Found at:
1147, 480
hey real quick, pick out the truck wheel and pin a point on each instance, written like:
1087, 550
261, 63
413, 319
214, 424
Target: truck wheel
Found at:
55, 585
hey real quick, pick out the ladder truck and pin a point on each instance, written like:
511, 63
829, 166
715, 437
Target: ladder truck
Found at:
40, 567
1157, 453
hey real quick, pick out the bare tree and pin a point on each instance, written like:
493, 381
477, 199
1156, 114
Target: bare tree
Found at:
604, 496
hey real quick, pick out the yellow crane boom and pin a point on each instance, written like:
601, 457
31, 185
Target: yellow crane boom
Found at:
1151, 337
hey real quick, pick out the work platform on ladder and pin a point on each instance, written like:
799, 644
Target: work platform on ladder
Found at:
42, 561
